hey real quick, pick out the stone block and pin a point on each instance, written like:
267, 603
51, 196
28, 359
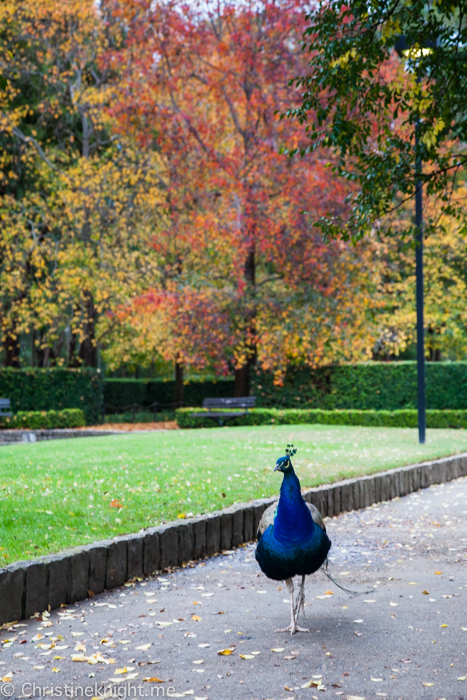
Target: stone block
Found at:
168, 540
12, 588
385, 487
248, 523
336, 499
199, 530
151, 551
78, 574
372, 490
213, 534
347, 503
186, 542
97, 553
394, 481
237, 526
226, 529
117, 563
134, 544
463, 459
377, 488
330, 501
36, 586
356, 495
425, 479
57, 582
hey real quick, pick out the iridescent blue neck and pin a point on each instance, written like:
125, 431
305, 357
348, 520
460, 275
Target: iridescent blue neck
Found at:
293, 520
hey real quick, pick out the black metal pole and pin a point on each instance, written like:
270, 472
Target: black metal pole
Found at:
419, 292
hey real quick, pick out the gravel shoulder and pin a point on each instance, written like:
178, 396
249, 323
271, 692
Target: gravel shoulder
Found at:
161, 637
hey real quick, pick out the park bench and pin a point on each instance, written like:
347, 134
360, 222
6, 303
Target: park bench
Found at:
5, 408
244, 402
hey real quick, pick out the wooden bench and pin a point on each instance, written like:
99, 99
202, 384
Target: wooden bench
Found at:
5, 408
245, 402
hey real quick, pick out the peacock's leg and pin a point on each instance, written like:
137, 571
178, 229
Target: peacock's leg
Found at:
300, 602
293, 627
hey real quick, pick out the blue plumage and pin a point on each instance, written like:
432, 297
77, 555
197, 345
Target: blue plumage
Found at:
292, 541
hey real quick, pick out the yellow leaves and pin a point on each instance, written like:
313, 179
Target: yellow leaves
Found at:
429, 138
225, 652
343, 60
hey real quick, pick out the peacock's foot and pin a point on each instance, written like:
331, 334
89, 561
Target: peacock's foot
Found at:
292, 628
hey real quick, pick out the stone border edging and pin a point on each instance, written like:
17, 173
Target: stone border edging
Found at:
27, 587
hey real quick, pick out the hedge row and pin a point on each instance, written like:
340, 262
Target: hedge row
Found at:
405, 418
119, 394
373, 385
38, 420
53, 389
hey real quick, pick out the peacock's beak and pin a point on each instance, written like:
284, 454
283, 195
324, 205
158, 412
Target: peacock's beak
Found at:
277, 467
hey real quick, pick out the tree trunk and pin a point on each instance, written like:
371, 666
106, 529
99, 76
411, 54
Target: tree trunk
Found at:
243, 373
88, 348
178, 388
11, 348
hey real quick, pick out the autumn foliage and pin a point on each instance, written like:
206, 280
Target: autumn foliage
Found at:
147, 207
244, 276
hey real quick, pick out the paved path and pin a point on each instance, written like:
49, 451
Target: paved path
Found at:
407, 639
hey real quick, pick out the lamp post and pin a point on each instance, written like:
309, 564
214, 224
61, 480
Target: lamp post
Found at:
401, 48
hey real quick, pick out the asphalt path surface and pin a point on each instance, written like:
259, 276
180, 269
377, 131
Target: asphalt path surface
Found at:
162, 637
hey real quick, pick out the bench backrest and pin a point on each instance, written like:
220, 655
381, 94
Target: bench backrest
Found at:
5, 405
238, 402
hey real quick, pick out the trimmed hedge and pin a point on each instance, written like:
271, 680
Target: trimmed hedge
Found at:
38, 420
120, 394
268, 416
367, 386
53, 389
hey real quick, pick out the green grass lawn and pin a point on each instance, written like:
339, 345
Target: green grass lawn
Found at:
63, 493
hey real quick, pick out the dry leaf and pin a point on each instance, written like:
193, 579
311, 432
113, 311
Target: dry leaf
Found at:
328, 593
425, 593
225, 652
462, 678
428, 685
376, 680
121, 670
115, 503
438, 572
199, 661
278, 649
196, 618
247, 656
55, 670
153, 680
144, 647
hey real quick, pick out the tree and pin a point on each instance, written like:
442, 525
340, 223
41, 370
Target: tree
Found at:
74, 200
238, 258
364, 103
445, 287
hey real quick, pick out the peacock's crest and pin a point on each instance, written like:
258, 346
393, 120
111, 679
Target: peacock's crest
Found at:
290, 450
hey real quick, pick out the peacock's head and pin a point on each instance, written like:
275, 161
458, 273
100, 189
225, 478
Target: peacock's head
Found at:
284, 464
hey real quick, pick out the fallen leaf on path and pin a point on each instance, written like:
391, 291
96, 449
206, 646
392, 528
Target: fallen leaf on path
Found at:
225, 652
153, 679
278, 649
248, 656
428, 685
196, 618
144, 647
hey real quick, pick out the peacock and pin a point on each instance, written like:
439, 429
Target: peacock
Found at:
292, 538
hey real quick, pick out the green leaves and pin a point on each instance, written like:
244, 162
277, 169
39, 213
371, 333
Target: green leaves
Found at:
363, 101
